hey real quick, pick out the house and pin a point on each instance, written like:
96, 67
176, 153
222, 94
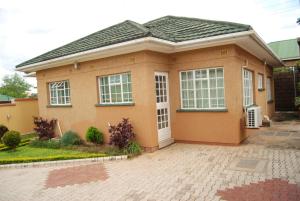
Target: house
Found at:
176, 78
286, 77
287, 50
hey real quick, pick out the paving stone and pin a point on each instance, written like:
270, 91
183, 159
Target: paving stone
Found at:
180, 171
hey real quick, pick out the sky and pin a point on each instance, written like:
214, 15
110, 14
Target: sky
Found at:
32, 27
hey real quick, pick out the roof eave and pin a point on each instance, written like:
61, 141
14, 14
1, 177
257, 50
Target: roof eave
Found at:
155, 44
290, 58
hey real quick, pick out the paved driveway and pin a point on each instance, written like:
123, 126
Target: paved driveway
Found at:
179, 172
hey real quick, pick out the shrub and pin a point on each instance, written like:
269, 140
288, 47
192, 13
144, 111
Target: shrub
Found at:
51, 144
297, 102
11, 139
44, 128
121, 134
3, 129
70, 138
133, 148
94, 135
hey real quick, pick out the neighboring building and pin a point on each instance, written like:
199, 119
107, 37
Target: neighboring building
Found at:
5, 99
175, 78
287, 50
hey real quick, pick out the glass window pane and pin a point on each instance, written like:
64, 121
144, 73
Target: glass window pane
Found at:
204, 84
212, 73
190, 84
213, 93
212, 83
124, 78
190, 75
220, 72
220, 82
205, 103
185, 103
199, 103
221, 102
197, 74
203, 74
221, 93
183, 76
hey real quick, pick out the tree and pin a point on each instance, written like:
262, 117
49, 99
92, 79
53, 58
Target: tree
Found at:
14, 86
298, 20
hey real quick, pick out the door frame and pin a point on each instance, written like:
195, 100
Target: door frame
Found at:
168, 129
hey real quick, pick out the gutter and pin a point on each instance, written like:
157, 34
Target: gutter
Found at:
147, 43
264, 45
291, 58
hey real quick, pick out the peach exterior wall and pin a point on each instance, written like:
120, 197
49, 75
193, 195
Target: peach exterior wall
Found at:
20, 115
219, 127
84, 96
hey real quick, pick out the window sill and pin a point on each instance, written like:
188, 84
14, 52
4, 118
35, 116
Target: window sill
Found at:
203, 110
261, 89
55, 106
116, 104
270, 101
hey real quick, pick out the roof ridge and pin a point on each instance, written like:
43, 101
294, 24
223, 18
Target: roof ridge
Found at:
138, 25
199, 19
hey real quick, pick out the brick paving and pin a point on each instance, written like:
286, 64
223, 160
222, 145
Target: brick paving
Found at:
270, 190
178, 172
76, 175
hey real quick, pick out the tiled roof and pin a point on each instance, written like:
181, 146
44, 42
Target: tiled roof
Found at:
286, 49
5, 98
171, 28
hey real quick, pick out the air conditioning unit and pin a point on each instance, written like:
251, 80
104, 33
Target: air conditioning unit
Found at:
254, 118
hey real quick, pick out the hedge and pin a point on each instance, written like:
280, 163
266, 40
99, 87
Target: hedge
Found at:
22, 143
51, 158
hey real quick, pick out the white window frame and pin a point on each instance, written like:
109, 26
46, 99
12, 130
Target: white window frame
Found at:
56, 84
260, 81
208, 85
269, 89
112, 84
247, 89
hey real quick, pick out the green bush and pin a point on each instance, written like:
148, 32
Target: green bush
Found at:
133, 148
94, 135
51, 144
70, 138
3, 129
11, 139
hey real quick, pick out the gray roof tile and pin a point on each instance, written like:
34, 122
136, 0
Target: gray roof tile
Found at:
171, 28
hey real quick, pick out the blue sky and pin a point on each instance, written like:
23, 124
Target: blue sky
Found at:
29, 28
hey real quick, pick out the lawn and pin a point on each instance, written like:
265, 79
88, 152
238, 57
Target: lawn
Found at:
30, 154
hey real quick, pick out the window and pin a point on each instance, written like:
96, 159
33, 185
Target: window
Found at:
247, 87
202, 89
260, 80
115, 89
269, 89
59, 93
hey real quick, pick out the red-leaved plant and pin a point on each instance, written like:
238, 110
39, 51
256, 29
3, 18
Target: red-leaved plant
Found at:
44, 128
121, 134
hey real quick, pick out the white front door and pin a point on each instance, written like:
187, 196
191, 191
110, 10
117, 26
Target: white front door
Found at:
162, 107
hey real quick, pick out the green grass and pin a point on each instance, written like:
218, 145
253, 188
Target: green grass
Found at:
29, 154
